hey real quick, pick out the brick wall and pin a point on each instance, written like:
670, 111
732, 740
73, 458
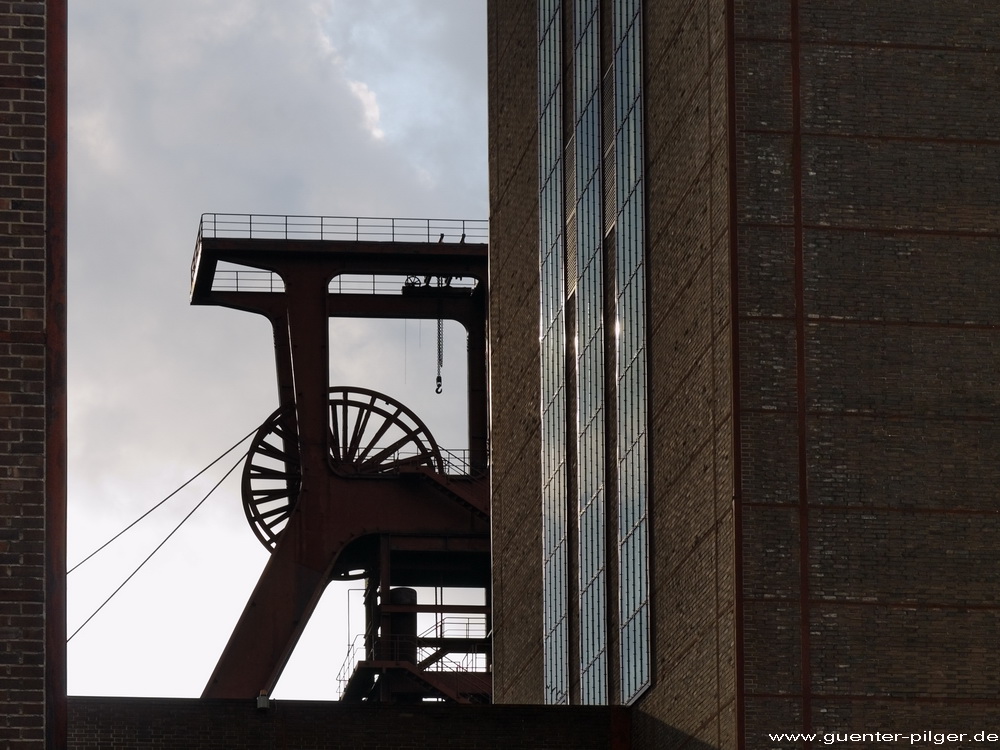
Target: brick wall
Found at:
866, 232
692, 701
690, 388
32, 374
514, 355
823, 236
171, 724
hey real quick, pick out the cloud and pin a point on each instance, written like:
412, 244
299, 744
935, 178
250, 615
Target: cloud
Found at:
191, 106
370, 105
427, 64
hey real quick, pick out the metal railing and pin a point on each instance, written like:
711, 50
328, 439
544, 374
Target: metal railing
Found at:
232, 279
457, 626
344, 228
353, 228
455, 462
471, 661
243, 280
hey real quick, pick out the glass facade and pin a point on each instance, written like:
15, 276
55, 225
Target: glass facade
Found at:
630, 285
573, 227
590, 353
552, 337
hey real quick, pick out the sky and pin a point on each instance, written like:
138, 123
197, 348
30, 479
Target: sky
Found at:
310, 107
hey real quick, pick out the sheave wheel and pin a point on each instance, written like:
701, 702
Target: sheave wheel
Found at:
371, 434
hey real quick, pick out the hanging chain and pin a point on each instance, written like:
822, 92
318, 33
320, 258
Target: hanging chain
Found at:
440, 346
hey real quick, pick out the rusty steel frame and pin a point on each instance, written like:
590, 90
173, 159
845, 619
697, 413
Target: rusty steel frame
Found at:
307, 266
328, 520
270, 493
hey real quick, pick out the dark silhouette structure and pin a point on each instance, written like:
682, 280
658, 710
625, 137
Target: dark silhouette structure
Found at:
346, 483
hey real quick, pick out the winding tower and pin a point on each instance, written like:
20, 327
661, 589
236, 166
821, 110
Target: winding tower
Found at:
342, 482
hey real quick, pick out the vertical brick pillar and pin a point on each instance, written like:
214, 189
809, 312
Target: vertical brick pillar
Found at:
32, 374
515, 452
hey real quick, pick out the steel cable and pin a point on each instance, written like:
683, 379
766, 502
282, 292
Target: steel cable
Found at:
112, 539
160, 545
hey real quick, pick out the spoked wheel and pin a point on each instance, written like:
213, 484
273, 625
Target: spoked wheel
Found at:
371, 434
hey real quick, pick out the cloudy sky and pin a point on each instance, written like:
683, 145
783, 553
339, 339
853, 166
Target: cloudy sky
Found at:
316, 107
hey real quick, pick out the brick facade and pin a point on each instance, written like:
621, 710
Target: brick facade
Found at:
690, 398
172, 724
32, 374
866, 214
514, 367
822, 227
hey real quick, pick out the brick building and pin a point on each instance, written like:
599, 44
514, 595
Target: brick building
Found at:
32, 373
743, 347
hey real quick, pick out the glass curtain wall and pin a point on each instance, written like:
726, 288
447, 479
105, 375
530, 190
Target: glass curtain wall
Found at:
633, 511
580, 210
590, 353
552, 278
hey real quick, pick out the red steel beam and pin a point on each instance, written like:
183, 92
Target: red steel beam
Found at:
320, 528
